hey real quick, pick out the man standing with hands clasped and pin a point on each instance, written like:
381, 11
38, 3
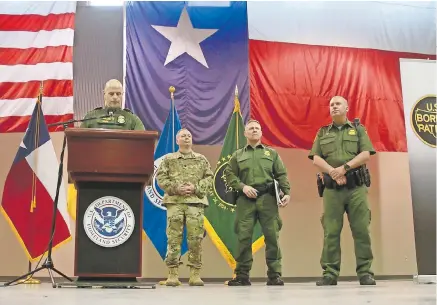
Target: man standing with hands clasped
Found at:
340, 150
186, 178
251, 171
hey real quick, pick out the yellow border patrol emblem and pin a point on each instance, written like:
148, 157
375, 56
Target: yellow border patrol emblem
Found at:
121, 119
352, 132
422, 119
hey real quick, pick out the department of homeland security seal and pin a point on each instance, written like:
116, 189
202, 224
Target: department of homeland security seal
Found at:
109, 221
153, 192
423, 119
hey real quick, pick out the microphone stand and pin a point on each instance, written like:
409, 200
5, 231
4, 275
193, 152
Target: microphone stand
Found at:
48, 264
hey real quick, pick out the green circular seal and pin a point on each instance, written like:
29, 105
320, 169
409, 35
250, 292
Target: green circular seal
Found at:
222, 190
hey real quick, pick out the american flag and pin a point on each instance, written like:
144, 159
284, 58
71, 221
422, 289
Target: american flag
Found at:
36, 44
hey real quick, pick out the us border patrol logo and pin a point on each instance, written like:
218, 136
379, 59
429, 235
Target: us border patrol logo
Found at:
222, 192
153, 192
109, 221
221, 188
423, 119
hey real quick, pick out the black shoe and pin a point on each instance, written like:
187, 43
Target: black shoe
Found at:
276, 281
238, 281
367, 280
327, 281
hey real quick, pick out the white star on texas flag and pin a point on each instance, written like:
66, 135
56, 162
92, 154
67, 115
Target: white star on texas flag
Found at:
185, 39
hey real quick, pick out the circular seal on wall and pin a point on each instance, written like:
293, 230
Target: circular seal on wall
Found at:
153, 192
109, 221
423, 119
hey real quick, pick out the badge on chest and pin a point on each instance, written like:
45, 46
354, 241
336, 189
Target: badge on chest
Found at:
118, 120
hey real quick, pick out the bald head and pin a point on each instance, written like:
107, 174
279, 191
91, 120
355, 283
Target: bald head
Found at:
113, 83
113, 93
338, 109
338, 99
184, 139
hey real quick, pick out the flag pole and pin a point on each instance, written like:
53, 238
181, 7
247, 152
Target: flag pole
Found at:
236, 107
172, 90
237, 140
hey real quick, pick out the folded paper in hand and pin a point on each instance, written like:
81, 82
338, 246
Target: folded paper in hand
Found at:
278, 192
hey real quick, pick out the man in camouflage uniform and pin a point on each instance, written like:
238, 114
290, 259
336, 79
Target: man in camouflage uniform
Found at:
119, 118
251, 171
339, 150
186, 178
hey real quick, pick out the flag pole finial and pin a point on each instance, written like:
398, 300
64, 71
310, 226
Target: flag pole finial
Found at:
172, 90
236, 101
40, 93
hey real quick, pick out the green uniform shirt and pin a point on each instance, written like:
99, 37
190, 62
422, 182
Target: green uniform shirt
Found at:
176, 169
121, 119
339, 146
256, 167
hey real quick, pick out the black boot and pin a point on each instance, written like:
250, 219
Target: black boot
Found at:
327, 281
239, 281
367, 280
275, 281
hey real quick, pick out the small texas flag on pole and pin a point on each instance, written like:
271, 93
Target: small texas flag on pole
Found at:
30, 189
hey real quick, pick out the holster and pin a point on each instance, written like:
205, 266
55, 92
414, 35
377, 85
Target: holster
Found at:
320, 184
365, 175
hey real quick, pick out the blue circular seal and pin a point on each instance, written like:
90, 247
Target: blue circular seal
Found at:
109, 221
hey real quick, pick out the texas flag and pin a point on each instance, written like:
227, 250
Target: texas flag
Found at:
293, 57
30, 188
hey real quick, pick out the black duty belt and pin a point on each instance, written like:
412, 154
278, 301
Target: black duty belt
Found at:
353, 180
261, 190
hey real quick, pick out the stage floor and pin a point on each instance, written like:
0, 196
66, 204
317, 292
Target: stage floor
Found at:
346, 293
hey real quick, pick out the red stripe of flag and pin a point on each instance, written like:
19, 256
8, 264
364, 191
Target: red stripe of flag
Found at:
52, 88
20, 123
35, 23
33, 56
291, 85
33, 228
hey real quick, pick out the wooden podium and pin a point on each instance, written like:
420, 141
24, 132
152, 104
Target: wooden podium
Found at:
110, 169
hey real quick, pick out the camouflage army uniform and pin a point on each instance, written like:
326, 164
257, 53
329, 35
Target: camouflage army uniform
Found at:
176, 169
257, 167
338, 146
122, 119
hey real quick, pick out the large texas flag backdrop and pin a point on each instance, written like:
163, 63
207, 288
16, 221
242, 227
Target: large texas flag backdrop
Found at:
292, 56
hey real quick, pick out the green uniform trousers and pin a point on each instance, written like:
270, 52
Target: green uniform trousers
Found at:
248, 211
354, 203
179, 214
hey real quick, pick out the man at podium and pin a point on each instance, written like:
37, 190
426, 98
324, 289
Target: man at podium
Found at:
116, 118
